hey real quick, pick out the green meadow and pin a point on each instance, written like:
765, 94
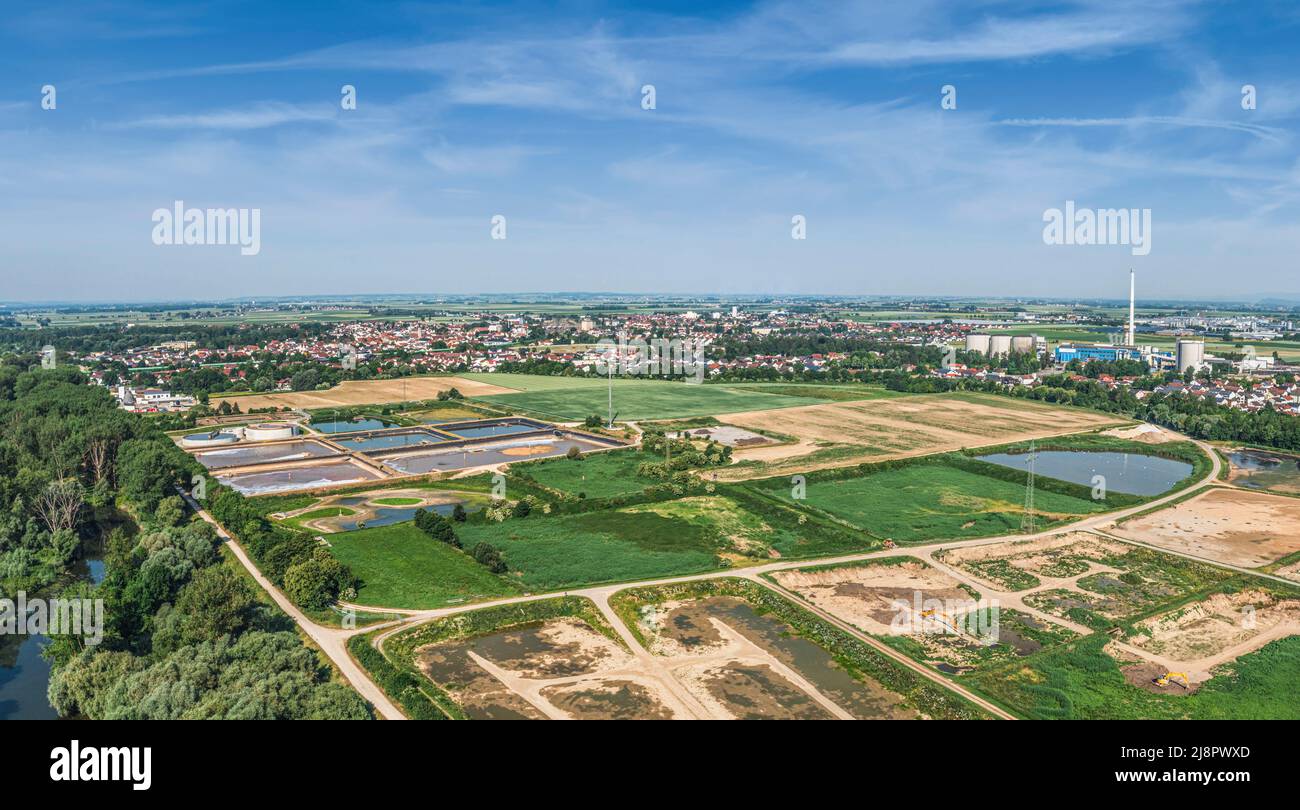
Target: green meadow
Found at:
400, 566
930, 500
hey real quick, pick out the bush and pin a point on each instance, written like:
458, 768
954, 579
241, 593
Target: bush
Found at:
487, 555
316, 583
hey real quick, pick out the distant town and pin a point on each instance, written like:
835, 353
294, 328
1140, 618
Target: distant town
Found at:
1226, 359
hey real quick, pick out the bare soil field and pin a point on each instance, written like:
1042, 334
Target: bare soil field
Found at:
1147, 434
366, 392
738, 664
1020, 565
1216, 630
911, 426
871, 596
561, 669
1291, 571
1247, 529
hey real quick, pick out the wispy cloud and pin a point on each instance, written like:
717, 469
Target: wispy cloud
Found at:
1273, 134
484, 160
253, 116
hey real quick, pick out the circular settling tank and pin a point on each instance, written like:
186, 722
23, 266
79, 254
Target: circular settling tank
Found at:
266, 431
213, 439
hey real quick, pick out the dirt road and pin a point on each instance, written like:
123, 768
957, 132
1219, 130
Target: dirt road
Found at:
334, 640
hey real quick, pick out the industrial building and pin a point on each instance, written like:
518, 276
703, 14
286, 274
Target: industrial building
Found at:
1067, 352
995, 345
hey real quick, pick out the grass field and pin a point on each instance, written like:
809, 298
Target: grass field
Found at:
927, 501
641, 399
686, 536
1080, 681
574, 550
400, 566
828, 393
599, 475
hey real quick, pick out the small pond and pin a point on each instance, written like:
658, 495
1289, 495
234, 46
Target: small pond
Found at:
1129, 473
352, 425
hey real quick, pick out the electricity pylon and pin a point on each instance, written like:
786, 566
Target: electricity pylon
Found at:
1027, 519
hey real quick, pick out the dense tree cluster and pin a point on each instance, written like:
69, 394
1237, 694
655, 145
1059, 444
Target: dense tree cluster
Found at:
66, 451
308, 573
437, 526
183, 635
679, 455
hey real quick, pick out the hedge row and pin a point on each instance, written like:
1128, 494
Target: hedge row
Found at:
402, 687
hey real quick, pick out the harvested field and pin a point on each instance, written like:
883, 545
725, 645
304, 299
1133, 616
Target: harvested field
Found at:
366, 392
913, 425
1247, 529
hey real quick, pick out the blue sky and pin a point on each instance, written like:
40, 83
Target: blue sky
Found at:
764, 111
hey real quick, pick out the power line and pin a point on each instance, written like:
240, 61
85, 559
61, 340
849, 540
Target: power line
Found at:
1027, 519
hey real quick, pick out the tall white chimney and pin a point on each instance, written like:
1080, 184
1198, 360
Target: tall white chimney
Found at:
1132, 320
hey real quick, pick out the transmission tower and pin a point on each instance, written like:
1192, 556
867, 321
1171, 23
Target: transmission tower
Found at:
1027, 519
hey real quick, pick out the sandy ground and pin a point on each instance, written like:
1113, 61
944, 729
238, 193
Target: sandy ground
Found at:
1034, 556
1247, 529
726, 435
866, 596
583, 675
1215, 624
1196, 638
908, 426
1291, 571
366, 392
1147, 434
527, 450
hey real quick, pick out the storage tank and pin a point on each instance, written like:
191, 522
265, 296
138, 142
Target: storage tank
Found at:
216, 438
267, 431
1023, 344
1190, 354
1000, 344
977, 343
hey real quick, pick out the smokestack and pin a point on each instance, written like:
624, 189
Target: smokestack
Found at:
1132, 321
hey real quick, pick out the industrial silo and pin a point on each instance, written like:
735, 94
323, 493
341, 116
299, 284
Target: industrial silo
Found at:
977, 343
1022, 344
1000, 344
1190, 354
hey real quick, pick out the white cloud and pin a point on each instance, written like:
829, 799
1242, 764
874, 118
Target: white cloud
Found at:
260, 115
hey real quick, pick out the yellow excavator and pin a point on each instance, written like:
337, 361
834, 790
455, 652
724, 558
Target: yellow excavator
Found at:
1177, 677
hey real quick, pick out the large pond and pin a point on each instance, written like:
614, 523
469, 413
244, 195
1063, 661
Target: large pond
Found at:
352, 425
24, 674
263, 454
318, 475
390, 441
492, 430
459, 458
1129, 473
1260, 469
